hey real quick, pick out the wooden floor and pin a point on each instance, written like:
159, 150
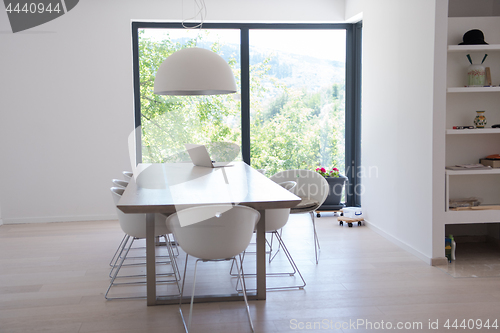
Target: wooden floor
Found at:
53, 278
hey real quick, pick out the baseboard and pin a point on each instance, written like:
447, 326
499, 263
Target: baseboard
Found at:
400, 243
439, 261
49, 219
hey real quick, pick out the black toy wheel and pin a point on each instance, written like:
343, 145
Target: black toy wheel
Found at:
350, 225
318, 215
359, 223
341, 214
341, 223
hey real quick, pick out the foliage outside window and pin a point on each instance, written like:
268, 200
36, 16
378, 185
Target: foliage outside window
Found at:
291, 127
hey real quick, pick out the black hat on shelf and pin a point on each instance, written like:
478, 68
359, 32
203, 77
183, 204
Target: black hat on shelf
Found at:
473, 37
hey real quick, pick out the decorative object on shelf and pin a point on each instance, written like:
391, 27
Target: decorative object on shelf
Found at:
463, 127
473, 166
480, 119
476, 74
489, 83
473, 37
336, 183
464, 202
491, 160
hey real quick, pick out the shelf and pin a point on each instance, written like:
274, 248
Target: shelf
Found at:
492, 171
473, 89
473, 131
473, 48
472, 216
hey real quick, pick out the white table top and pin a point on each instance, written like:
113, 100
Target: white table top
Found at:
161, 188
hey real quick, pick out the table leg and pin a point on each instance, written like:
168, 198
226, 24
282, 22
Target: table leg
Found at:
261, 256
150, 259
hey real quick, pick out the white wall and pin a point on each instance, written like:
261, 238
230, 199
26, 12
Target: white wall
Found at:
439, 136
397, 122
66, 104
462, 8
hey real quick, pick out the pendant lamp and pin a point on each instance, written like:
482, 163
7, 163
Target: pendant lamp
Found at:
194, 71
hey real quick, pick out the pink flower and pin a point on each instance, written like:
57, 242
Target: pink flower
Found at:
335, 169
323, 170
317, 169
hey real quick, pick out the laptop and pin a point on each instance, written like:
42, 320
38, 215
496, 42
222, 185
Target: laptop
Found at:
200, 157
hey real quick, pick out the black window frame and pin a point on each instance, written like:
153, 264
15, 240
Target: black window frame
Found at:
352, 88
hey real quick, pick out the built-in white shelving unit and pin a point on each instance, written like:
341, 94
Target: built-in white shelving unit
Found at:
469, 172
473, 89
473, 48
473, 131
467, 146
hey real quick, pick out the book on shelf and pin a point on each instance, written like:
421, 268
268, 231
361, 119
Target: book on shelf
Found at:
464, 127
474, 166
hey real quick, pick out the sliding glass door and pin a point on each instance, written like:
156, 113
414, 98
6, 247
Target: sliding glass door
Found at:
297, 114
297, 106
168, 122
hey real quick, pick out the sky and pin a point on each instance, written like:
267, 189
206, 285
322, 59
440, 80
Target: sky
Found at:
324, 44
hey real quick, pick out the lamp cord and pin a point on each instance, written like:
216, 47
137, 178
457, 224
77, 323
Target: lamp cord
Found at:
202, 12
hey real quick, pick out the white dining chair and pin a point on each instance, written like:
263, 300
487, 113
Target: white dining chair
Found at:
290, 186
134, 227
213, 233
276, 219
114, 259
312, 188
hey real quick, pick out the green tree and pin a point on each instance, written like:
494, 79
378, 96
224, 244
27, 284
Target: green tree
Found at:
296, 130
170, 121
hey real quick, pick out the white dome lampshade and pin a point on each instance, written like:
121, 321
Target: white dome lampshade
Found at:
194, 71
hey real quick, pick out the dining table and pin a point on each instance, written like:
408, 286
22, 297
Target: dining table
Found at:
168, 187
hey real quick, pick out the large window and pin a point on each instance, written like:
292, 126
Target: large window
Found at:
168, 122
294, 108
297, 99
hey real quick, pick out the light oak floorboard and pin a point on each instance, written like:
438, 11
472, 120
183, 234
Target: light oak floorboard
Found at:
53, 277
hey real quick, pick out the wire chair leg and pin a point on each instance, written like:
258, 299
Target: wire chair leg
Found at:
117, 250
173, 262
122, 256
182, 293
291, 261
279, 246
316, 240
117, 269
123, 245
242, 279
192, 295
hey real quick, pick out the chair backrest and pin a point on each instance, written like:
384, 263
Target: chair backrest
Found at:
288, 185
276, 218
214, 232
128, 174
119, 183
135, 224
310, 184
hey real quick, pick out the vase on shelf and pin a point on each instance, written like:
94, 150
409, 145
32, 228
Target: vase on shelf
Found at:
480, 120
476, 76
